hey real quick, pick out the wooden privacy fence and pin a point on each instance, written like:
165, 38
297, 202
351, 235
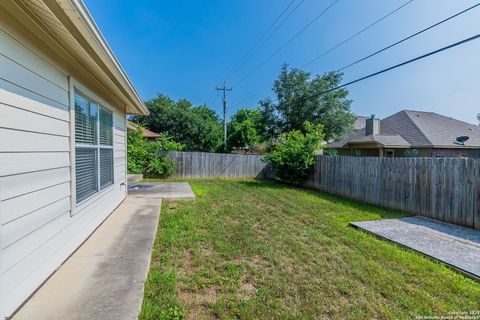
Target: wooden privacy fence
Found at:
446, 189
218, 165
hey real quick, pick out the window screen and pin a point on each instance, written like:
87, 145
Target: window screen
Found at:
93, 147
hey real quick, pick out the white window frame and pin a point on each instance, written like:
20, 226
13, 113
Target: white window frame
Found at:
84, 92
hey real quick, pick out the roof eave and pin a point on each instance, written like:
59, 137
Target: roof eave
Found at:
81, 10
454, 147
378, 143
71, 38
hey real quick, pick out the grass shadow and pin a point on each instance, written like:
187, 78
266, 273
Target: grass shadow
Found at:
384, 212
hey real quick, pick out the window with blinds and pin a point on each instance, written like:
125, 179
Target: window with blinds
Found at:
106, 167
86, 172
93, 147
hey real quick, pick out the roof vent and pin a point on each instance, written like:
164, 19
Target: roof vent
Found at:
418, 115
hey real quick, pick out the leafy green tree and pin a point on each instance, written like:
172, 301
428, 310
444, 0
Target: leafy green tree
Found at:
298, 100
330, 152
292, 155
243, 129
198, 128
146, 157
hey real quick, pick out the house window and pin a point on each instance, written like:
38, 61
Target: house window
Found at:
390, 153
93, 147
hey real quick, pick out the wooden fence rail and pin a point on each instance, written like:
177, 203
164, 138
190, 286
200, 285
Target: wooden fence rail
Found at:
446, 189
218, 165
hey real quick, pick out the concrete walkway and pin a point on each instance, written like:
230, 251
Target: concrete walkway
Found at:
104, 278
455, 246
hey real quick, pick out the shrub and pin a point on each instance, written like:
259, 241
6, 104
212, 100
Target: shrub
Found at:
411, 153
330, 152
292, 156
145, 156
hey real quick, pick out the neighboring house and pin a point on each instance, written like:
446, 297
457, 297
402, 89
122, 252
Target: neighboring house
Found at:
63, 104
410, 134
147, 134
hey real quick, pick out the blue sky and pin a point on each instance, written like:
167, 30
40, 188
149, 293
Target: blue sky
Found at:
183, 48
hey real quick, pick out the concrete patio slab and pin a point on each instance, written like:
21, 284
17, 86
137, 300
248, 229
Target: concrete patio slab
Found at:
455, 246
104, 278
162, 190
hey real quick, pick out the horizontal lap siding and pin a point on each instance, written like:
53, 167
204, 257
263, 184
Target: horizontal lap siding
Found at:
20, 163
62, 242
22, 141
26, 183
29, 121
35, 163
29, 60
120, 149
37, 230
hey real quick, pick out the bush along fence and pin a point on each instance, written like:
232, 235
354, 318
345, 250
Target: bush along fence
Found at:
447, 189
218, 165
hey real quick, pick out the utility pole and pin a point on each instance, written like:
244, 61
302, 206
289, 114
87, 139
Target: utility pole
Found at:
224, 89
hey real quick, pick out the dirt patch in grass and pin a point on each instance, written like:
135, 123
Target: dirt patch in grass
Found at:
188, 259
232, 221
247, 290
199, 312
199, 302
201, 297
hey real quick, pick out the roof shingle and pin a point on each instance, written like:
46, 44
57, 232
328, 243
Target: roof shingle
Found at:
417, 129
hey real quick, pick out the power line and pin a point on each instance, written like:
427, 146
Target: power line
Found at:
286, 44
250, 96
385, 48
338, 45
356, 34
259, 43
409, 37
477, 36
210, 99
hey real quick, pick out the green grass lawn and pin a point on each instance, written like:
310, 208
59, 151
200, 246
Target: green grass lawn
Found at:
261, 250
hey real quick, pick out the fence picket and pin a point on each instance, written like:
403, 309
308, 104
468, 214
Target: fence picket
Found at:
218, 165
446, 189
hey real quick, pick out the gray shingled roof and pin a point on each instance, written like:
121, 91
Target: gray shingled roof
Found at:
383, 139
417, 129
442, 131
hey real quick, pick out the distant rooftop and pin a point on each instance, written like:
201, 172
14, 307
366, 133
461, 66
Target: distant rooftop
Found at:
410, 128
145, 132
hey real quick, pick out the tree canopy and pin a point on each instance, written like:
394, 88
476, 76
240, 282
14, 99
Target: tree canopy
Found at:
292, 155
298, 100
143, 156
243, 129
198, 128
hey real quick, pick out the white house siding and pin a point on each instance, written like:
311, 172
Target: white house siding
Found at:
39, 228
